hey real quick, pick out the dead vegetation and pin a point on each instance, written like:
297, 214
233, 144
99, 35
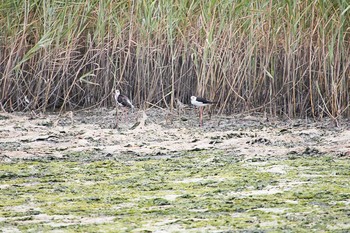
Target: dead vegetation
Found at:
288, 58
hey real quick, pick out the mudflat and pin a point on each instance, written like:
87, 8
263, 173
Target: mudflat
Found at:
241, 173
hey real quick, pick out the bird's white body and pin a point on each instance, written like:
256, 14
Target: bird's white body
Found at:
199, 102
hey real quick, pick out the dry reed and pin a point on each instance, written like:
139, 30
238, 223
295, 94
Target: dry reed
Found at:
282, 57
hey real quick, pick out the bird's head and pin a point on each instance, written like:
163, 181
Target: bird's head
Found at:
193, 98
116, 94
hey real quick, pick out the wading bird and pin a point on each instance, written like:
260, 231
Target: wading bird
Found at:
200, 102
123, 101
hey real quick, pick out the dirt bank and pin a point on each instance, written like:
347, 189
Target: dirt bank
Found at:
92, 132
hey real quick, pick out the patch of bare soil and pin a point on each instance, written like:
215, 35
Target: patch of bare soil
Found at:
156, 132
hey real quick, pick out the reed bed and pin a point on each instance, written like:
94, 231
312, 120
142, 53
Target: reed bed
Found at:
289, 58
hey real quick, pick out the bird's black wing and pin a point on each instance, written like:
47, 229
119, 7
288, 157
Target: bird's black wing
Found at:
204, 101
125, 101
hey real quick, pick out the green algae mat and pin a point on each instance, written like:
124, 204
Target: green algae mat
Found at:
202, 191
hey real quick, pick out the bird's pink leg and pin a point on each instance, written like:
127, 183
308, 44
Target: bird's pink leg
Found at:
124, 114
127, 115
116, 117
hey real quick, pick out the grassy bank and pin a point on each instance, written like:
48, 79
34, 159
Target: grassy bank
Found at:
198, 191
282, 57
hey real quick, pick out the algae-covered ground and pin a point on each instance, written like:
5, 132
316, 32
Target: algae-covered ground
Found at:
241, 174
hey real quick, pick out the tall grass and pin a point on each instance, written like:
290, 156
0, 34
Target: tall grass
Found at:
283, 57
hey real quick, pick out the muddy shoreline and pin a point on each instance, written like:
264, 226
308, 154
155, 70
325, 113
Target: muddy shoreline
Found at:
161, 133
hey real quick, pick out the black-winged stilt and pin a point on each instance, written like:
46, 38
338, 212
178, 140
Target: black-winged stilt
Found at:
200, 102
123, 101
